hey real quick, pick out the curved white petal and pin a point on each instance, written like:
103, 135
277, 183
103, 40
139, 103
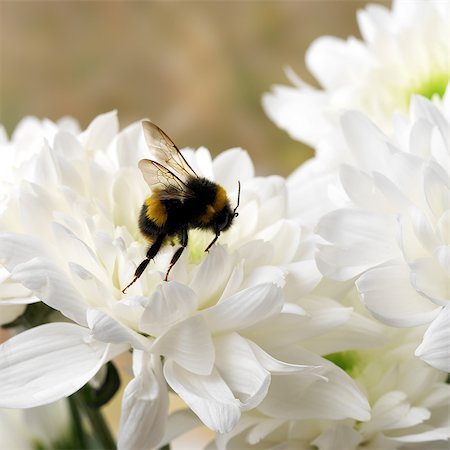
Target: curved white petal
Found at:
288, 107
179, 423
208, 396
169, 304
51, 285
46, 363
361, 240
392, 411
277, 367
338, 437
19, 248
9, 313
245, 308
387, 292
232, 166
100, 132
145, 407
304, 396
435, 347
346, 58
188, 343
241, 370
212, 274
430, 279
110, 330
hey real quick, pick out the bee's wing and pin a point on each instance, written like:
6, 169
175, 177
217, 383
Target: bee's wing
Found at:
163, 181
166, 151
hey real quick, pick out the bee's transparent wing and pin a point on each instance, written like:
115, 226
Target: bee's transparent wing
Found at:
166, 151
163, 181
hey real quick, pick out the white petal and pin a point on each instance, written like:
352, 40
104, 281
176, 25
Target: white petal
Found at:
361, 239
46, 363
212, 274
284, 235
305, 396
436, 434
338, 437
430, 279
19, 248
232, 166
50, 284
367, 142
8, 313
188, 343
277, 367
23, 255
245, 308
208, 396
100, 131
12, 293
179, 423
387, 292
145, 407
392, 411
108, 329
435, 347
288, 107
241, 370
334, 62
169, 304
301, 278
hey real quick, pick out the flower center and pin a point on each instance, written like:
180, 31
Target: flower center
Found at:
198, 241
436, 84
349, 361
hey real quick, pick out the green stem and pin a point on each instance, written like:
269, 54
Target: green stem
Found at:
100, 429
79, 433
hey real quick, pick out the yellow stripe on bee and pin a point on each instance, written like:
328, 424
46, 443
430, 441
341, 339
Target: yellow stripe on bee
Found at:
156, 211
219, 203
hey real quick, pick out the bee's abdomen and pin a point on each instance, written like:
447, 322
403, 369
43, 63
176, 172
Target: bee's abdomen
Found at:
153, 218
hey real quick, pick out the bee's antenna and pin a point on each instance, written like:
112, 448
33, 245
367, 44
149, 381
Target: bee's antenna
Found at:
239, 197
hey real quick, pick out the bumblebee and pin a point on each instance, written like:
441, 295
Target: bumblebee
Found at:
180, 200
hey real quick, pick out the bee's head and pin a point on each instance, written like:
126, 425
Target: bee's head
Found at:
224, 218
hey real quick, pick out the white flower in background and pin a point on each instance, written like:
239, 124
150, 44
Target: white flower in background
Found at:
408, 406
46, 426
404, 51
75, 245
13, 168
391, 233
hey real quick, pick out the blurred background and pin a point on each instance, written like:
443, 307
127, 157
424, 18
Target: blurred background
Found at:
197, 69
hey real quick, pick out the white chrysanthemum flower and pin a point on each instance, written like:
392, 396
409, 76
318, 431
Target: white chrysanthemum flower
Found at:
408, 400
76, 245
46, 426
14, 166
403, 52
391, 233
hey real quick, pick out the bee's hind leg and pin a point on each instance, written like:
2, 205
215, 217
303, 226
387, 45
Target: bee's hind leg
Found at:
177, 254
151, 253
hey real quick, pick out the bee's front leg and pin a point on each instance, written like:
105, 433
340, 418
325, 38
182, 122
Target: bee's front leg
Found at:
151, 253
184, 242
